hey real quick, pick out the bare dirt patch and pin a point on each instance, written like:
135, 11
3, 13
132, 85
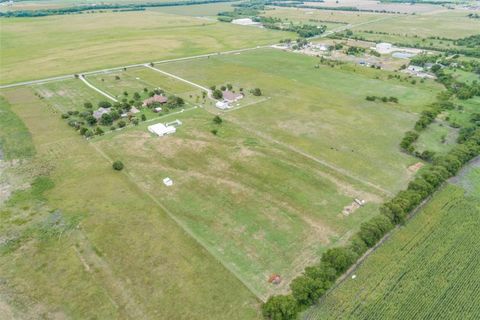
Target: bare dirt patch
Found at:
415, 167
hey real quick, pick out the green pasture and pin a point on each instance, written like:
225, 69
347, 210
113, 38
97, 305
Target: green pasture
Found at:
15, 140
463, 76
462, 115
306, 15
115, 253
438, 137
452, 24
136, 79
407, 40
200, 10
322, 111
426, 270
79, 43
67, 95
256, 206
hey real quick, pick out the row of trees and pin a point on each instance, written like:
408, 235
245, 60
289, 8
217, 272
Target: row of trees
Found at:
316, 280
96, 7
383, 99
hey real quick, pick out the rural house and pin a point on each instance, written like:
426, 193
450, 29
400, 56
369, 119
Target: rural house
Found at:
155, 99
97, 114
230, 96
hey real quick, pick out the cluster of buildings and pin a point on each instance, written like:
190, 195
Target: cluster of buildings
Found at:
97, 114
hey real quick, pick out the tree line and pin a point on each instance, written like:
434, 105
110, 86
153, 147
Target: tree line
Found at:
307, 288
115, 7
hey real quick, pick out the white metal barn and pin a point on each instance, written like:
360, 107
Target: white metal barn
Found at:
161, 130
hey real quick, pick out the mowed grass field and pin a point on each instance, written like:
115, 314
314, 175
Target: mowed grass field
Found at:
136, 79
68, 95
323, 112
426, 270
329, 16
114, 253
452, 24
200, 10
254, 204
77, 43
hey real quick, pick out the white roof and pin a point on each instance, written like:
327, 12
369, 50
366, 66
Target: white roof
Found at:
168, 182
222, 105
245, 22
160, 129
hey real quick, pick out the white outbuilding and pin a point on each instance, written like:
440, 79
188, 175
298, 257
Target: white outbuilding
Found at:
168, 182
222, 105
161, 130
383, 47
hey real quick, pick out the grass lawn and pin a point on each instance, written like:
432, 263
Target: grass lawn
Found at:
314, 16
438, 137
111, 39
136, 79
462, 116
68, 95
452, 24
323, 111
200, 10
126, 259
15, 140
426, 270
257, 207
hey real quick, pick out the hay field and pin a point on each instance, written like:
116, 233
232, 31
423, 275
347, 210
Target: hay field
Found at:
452, 24
115, 252
427, 270
254, 204
323, 111
77, 43
305, 15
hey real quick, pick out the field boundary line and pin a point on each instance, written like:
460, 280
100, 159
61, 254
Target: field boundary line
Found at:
148, 120
373, 249
184, 227
119, 68
311, 157
247, 105
82, 77
209, 92
286, 145
106, 70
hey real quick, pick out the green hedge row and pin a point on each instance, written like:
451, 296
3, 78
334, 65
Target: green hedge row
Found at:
316, 280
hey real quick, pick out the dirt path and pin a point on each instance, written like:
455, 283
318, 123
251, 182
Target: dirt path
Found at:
82, 77
208, 91
271, 139
119, 294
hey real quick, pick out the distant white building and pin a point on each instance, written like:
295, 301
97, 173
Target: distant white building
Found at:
246, 22
168, 182
161, 130
383, 47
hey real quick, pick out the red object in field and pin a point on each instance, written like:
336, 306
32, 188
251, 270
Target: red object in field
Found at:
275, 279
